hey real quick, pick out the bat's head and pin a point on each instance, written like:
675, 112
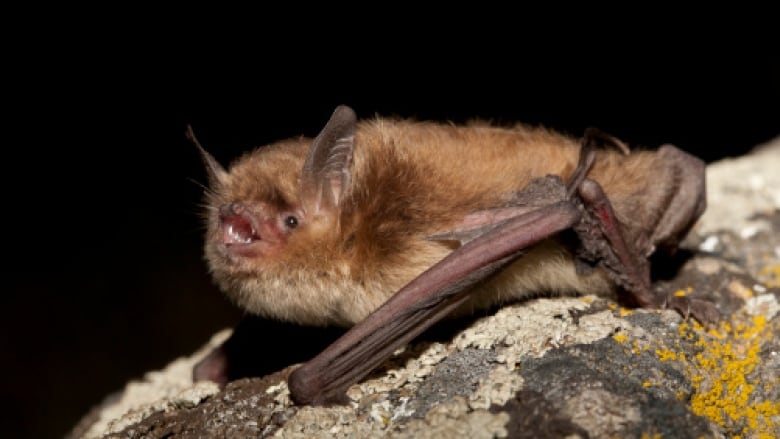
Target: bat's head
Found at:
272, 223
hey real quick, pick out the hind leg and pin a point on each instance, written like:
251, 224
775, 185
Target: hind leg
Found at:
629, 269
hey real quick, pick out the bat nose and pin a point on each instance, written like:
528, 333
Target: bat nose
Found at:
232, 209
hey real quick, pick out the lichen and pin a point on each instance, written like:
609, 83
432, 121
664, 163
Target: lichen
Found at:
682, 293
723, 389
720, 363
770, 275
721, 374
666, 354
620, 338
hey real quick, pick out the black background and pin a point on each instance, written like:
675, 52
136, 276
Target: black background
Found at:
101, 227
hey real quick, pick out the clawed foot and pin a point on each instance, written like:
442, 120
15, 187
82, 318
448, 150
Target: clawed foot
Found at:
700, 309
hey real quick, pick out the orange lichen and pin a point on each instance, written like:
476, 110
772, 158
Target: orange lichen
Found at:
722, 391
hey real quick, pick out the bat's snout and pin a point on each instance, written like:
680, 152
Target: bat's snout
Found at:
238, 225
249, 232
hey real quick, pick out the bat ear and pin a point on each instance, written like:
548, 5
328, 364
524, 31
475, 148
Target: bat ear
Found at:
216, 173
326, 176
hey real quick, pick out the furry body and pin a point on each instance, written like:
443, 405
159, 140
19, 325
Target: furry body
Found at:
410, 181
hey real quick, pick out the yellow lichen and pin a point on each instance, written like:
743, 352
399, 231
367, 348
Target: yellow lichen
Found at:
719, 373
770, 275
666, 354
635, 349
620, 338
722, 391
683, 293
623, 312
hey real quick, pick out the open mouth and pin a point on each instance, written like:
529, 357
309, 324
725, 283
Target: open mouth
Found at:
243, 234
240, 236
236, 229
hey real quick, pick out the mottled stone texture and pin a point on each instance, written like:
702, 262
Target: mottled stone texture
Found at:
545, 368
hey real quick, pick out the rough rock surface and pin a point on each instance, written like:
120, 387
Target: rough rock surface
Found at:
551, 367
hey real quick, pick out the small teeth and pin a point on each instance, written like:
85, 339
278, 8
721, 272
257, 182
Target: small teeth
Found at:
237, 236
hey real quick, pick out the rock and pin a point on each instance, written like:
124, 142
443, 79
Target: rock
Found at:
550, 367
159, 391
741, 190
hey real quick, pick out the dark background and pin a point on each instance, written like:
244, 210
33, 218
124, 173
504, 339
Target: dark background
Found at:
100, 224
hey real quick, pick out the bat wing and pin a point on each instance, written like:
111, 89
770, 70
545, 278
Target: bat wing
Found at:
490, 240
539, 193
423, 302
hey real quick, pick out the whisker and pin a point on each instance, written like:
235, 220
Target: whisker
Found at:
199, 184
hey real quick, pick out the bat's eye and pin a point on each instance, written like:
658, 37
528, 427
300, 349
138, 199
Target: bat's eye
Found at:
291, 222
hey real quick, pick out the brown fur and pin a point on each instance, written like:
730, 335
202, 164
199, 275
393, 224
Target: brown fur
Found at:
411, 180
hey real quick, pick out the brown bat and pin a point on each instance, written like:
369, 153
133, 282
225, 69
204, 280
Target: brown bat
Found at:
391, 225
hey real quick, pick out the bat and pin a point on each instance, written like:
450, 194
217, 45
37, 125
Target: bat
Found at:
389, 225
